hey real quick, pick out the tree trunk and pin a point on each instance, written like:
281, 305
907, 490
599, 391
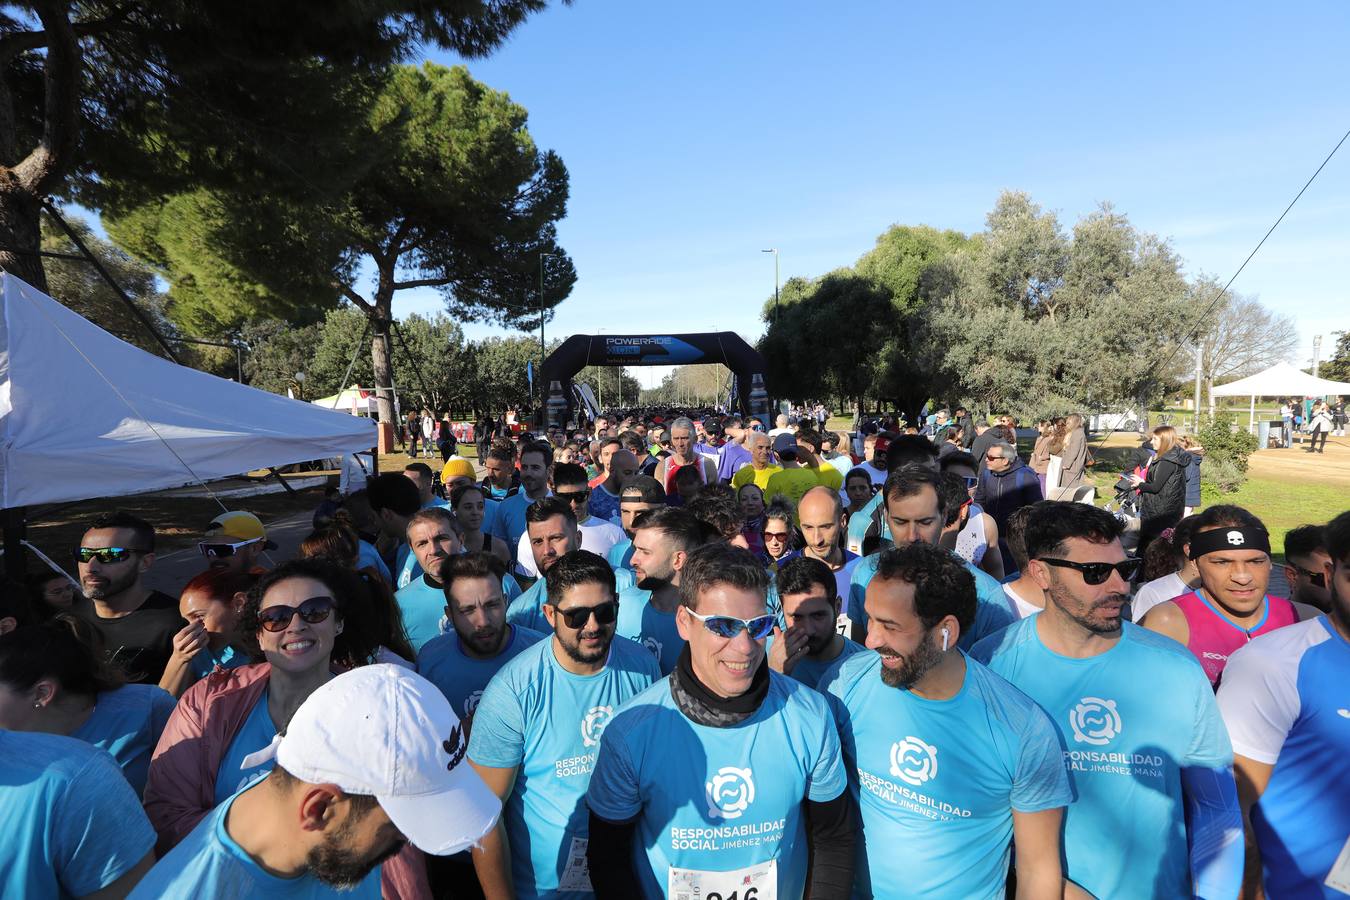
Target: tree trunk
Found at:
382, 360
20, 228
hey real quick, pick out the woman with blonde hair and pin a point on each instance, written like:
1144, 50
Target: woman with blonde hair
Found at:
1074, 453
1162, 492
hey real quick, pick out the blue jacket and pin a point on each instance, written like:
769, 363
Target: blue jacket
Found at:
1000, 494
1193, 481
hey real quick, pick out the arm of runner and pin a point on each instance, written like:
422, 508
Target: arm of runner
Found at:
1036, 837
492, 860
1167, 619
609, 856
831, 830
1252, 778
124, 885
1214, 821
787, 649
993, 558
187, 643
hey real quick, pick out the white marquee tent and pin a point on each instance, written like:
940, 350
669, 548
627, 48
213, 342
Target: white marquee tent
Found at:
83, 414
1280, 380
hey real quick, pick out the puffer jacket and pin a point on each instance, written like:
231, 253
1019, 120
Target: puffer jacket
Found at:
181, 787
1000, 494
1163, 492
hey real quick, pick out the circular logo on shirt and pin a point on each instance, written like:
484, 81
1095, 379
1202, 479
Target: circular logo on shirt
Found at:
593, 724
1094, 721
730, 793
914, 761
654, 646
471, 702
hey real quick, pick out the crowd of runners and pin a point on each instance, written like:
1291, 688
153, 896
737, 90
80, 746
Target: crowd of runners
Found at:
683, 654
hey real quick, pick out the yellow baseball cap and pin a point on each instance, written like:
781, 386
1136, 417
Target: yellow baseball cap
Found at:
239, 526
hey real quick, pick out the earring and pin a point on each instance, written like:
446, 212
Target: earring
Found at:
37, 706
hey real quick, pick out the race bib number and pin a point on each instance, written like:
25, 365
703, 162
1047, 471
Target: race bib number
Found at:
757, 882
576, 874
1339, 879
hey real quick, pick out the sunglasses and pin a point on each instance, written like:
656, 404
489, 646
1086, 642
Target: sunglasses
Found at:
576, 618
312, 611
1317, 579
775, 536
220, 551
106, 555
1098, 572
970, 480
728, 627
573, 496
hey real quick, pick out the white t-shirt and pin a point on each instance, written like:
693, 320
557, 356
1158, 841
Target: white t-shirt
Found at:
597, 536
1159, 590
1020, 608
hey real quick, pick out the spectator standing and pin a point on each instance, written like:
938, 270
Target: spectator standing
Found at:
1193, 447
1319, 426
1162, 493
1074, 454
1040, 453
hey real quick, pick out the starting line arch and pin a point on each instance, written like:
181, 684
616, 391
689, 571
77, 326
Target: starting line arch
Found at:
725, 347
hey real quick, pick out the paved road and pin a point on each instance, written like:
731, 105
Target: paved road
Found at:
173, 570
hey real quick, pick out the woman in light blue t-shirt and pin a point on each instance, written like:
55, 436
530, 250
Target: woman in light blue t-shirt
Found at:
53, 680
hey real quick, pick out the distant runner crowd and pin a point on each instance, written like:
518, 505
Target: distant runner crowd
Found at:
676, 653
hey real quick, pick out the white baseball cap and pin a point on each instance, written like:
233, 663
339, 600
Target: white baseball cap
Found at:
385, 731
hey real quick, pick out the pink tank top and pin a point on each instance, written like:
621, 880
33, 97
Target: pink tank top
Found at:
1215, 637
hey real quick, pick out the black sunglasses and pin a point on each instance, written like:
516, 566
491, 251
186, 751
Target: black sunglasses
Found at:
1098, 572
312, 611
576, 618
1318, 579
572, 496
106, 555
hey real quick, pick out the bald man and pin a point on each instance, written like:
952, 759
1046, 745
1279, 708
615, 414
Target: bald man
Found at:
622, 466
821, 517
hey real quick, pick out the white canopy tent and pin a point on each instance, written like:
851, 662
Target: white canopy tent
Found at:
356, 401
1280, 380
83, 414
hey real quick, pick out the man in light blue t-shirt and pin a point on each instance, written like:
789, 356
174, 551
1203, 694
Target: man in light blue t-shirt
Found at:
641, 494
480, 642
537, 730
553, 534
724, 778
535, 460
915, 509
372, 761
1156, 811
811, 646
433, 541
72, 824
662, 541
950, 763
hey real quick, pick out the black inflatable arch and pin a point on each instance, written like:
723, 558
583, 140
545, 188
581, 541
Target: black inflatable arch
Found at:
725, 347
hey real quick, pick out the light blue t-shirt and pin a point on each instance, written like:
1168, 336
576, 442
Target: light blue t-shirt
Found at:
367, 557
422, 604
1131, 718
1283, 698
527, 610
937, 780
406, 566
547, 721
813, 672
509, 522
127, 722
72, 824
718, 799
644, 624
210, 863
256, 733
205, 662
461, 677
992, 610
620, 556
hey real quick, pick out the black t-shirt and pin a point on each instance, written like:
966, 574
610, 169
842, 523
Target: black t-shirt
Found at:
141, 642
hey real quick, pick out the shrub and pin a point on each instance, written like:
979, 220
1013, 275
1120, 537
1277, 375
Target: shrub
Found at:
1223, 468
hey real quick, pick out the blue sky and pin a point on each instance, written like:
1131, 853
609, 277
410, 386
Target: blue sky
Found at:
697, 134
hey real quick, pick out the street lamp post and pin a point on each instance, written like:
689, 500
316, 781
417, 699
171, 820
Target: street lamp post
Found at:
539, 376
1317, 352
774, 251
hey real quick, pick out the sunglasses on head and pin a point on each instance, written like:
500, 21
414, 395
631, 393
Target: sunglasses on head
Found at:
728, 627
214, 550
1098, 572
106, 555
577, 617
312, 611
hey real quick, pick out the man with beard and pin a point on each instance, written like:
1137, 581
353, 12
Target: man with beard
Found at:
462, 662
136, 624
641, 494
820, 515
662, 541
725, 778
236, 541
1147, 751
553, 533
950, 763
535, 460
915, 509
812, 645
372, 760
537, 730
1283, 699
1231, 548
434, 540
500, 480
597, 535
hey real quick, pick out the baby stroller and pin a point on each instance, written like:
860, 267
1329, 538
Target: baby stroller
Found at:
1125, 504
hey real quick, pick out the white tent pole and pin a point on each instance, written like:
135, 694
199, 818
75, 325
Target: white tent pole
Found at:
1251, 422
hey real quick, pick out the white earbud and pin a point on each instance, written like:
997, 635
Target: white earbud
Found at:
946, 636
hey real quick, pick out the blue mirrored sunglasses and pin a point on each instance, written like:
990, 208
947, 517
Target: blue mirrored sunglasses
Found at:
728, 627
